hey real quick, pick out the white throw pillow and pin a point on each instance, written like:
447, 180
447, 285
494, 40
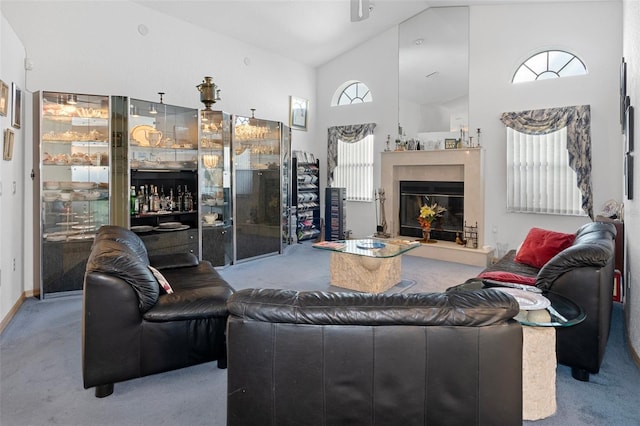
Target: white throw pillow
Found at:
161, 280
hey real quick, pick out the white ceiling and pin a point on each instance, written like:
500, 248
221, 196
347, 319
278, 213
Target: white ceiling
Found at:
309, 31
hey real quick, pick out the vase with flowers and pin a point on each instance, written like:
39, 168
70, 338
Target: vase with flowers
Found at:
429, 213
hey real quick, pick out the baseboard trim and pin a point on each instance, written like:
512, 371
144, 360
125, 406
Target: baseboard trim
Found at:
12, 312
634, 355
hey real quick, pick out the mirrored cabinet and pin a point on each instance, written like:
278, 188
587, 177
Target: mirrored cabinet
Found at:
257, 173
215, 187
71, 183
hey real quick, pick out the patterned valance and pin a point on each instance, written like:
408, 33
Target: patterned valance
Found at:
349, 134
577, 120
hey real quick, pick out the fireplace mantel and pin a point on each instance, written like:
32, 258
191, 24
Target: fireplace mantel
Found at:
462, 165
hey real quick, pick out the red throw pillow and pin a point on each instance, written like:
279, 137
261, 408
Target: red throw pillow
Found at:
508, 277
541, 245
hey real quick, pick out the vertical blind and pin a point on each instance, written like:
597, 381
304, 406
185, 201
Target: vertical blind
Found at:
539, 178
354, 169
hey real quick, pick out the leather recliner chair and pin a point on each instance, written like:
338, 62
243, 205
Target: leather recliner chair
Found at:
131, 329
318, 358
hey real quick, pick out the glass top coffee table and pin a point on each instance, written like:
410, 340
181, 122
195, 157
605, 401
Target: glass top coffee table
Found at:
368, 265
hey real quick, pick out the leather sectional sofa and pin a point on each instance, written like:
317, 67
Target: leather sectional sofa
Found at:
319, 358
584, 273
133, 328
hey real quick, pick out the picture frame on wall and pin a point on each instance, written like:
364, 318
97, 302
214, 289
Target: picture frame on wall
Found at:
628, 126
623, 92
628, 171
298, 113
8, 145
16, 109
4, 98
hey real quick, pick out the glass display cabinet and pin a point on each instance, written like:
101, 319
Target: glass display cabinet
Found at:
163, 187
257, 187
72, 157
215, 187
285, 182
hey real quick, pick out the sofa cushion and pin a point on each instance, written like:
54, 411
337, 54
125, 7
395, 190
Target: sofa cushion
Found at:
162, 281
540, 245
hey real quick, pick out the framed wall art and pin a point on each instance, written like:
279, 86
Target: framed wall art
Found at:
628, 171
628, 130
8, 145
4, 98
623, 92
298, 112
16, 109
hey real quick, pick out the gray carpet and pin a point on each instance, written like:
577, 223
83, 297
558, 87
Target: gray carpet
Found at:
41, 379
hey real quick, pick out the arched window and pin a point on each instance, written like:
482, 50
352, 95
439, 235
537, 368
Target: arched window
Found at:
549, 64
352, 92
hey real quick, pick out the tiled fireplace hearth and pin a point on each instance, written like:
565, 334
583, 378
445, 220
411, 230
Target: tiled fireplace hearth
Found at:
458, 165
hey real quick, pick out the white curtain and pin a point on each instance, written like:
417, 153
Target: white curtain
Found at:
539, 178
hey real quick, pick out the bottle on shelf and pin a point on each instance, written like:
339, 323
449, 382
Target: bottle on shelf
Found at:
139, 201
133, 201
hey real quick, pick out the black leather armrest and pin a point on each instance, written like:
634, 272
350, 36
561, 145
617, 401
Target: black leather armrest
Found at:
174, 260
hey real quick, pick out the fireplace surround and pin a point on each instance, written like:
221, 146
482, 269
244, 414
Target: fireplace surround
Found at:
446, 165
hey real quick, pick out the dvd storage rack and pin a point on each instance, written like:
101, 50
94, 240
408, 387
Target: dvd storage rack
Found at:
335, 214
307, 195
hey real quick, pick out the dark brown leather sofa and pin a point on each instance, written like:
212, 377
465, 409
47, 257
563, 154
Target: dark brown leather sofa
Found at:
582, 272
317, 358
130, 328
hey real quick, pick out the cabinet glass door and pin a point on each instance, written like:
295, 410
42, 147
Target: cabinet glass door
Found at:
285, 181
215, 187
163, 161
73, 133
257, 189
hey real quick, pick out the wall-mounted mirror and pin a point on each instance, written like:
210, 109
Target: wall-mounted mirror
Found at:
434, 75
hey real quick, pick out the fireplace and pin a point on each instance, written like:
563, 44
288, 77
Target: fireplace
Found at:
447, 194
444, 165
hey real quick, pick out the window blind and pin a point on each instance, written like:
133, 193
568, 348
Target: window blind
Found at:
354, 169
539, 179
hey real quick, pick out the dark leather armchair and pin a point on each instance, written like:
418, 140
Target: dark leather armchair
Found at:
583, 272
130, 328
316, 358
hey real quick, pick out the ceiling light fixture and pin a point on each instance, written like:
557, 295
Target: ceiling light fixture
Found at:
418, 41
360, 10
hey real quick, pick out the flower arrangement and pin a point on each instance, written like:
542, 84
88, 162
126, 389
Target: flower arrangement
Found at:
429, 213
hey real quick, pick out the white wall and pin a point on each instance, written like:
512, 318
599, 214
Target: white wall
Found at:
375, 63
95, 47
502, 37
11, 203
631, 51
